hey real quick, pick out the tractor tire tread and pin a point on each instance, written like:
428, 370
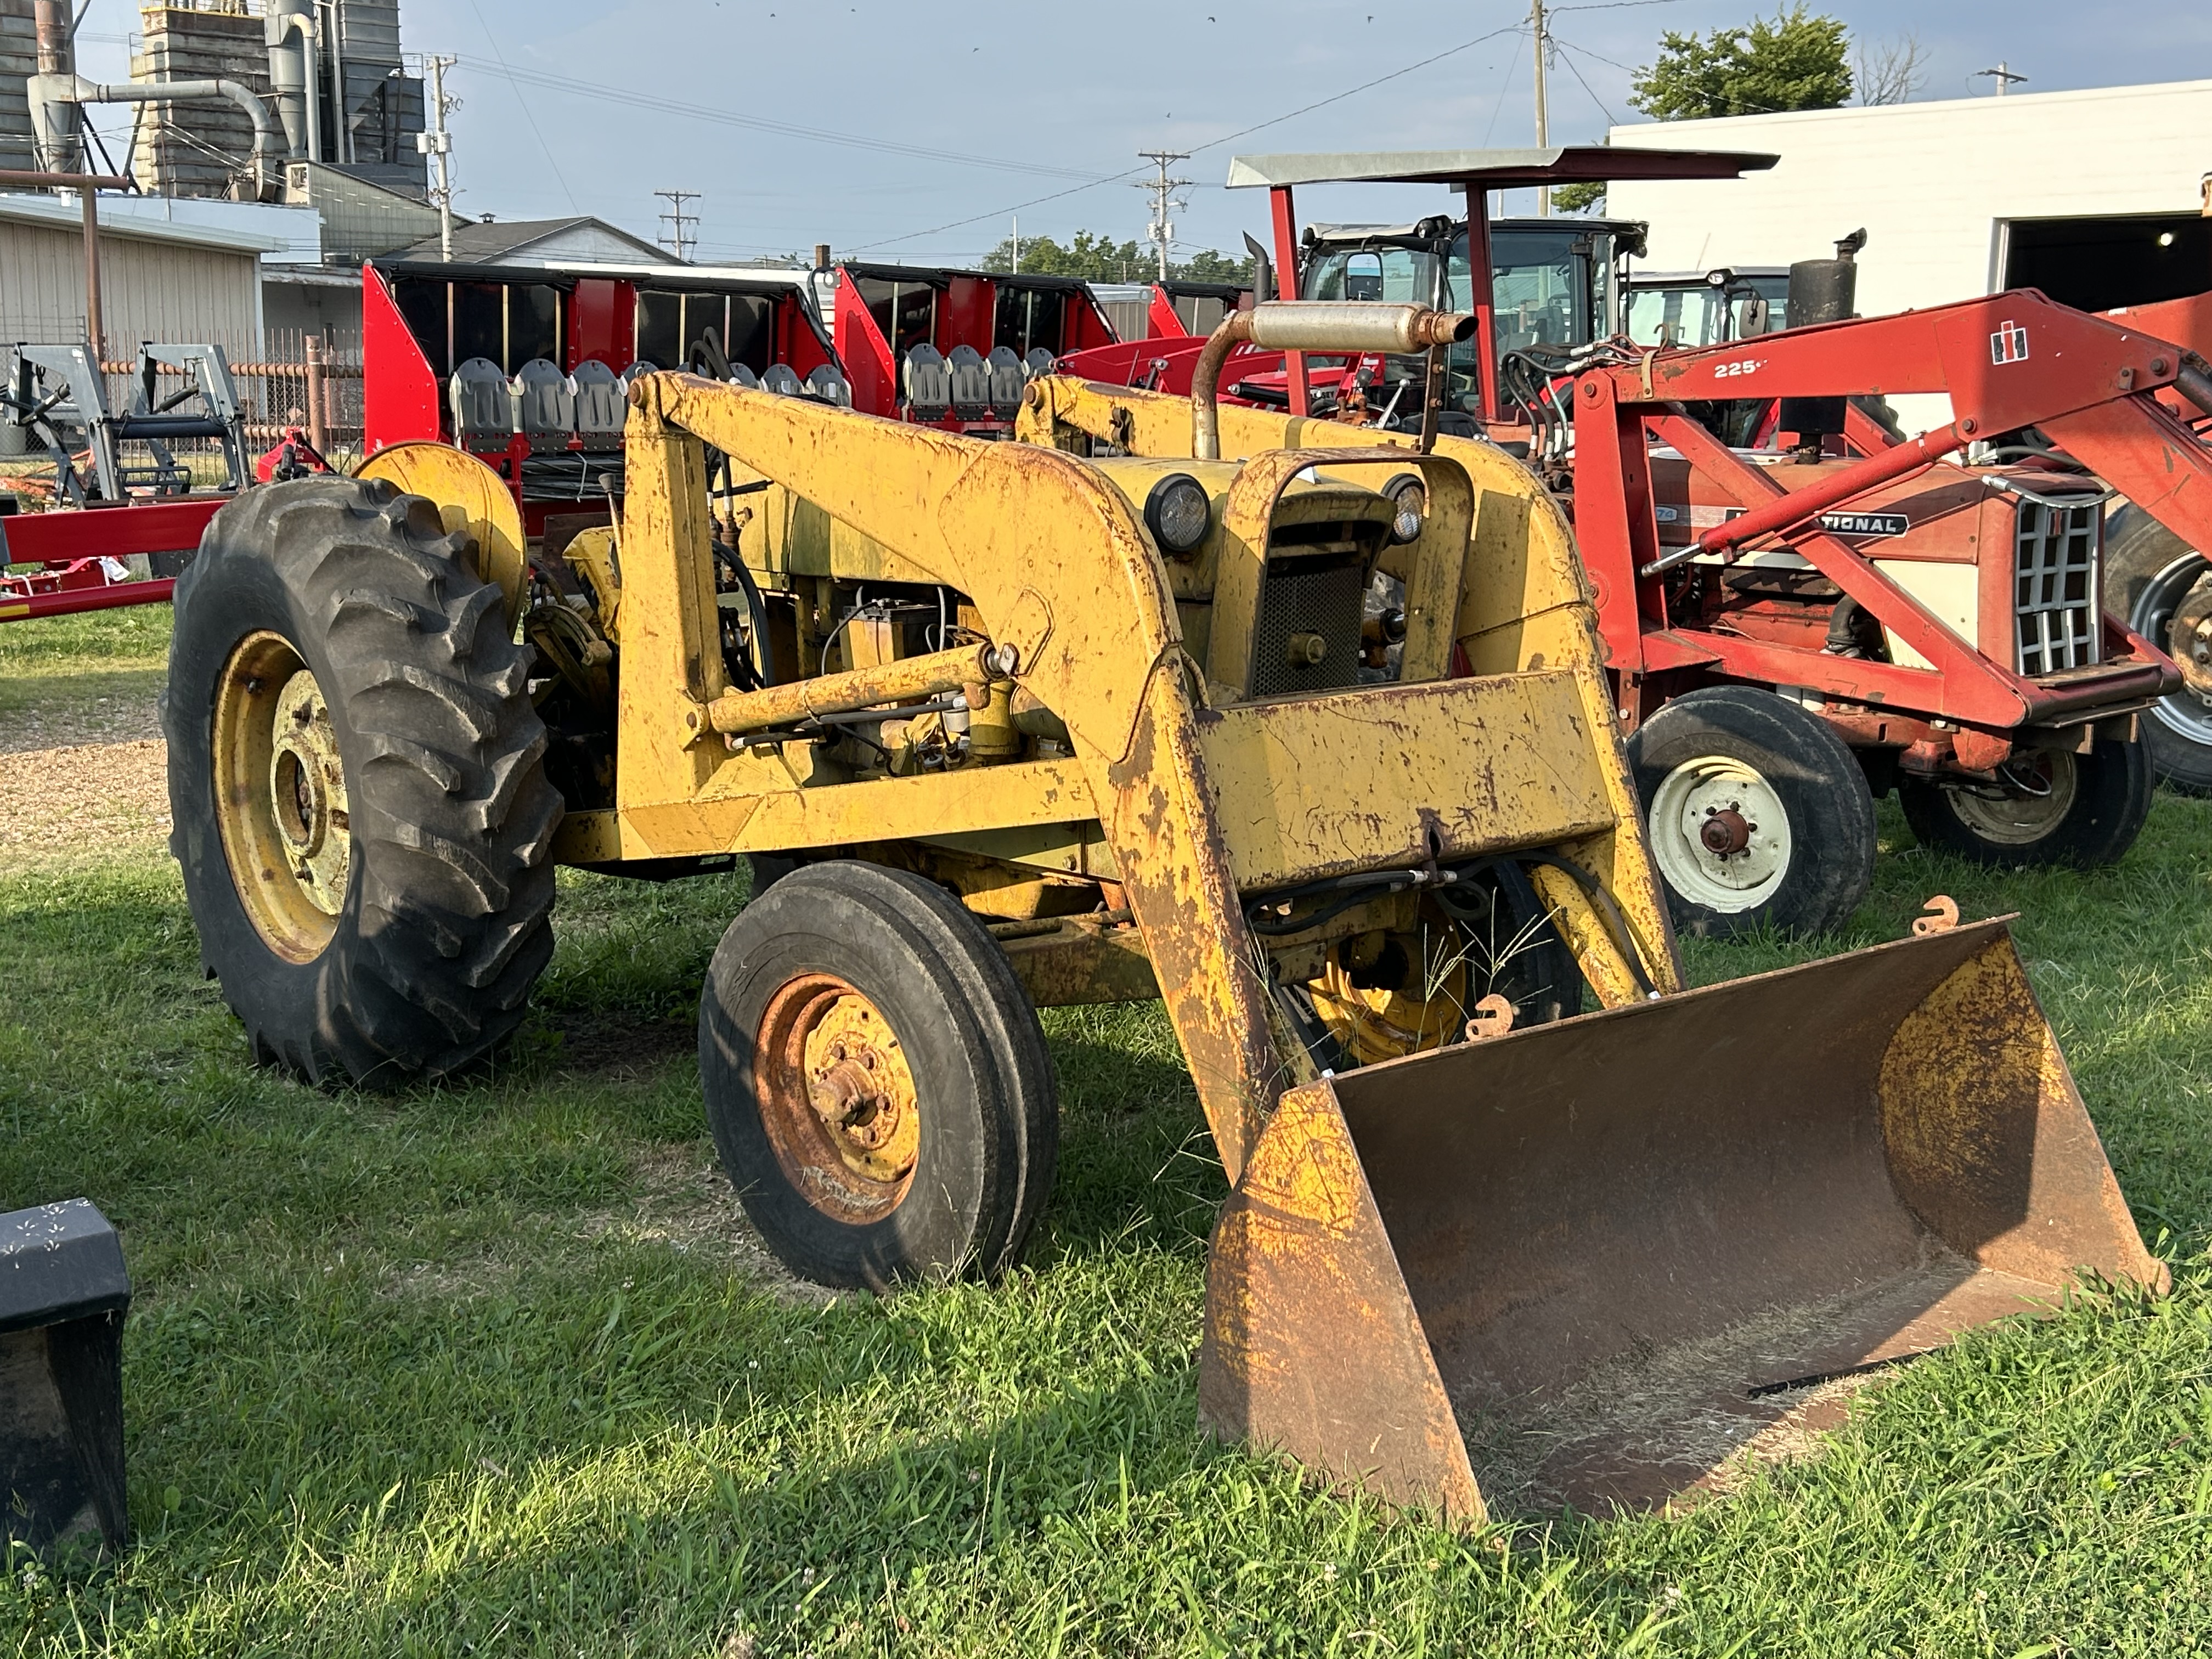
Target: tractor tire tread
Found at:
453, 817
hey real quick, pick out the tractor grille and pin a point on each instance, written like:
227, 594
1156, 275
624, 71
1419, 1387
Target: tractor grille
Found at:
1313, 595
2054, 556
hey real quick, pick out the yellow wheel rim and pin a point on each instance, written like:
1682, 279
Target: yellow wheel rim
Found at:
837, 1097
1372, 1023
280, 796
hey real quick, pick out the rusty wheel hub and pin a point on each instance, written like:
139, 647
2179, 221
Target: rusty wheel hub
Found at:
837, 1097
1725, 831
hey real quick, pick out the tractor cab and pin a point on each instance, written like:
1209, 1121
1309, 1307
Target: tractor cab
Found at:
1554, 282
1675, 309
1536, 286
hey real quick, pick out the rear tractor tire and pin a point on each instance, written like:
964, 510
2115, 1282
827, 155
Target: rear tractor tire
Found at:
1759, 814
876, 1079
2046, 808
356, 783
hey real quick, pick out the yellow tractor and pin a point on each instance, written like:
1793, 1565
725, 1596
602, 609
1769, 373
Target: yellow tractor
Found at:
1098, 716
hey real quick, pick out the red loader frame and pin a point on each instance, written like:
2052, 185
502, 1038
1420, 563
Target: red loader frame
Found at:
71, 545
2008, 361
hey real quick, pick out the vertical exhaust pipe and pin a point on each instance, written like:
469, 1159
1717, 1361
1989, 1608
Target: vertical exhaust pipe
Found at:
290, 30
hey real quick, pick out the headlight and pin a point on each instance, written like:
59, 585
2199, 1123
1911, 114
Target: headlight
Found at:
1410, 496
1178, 514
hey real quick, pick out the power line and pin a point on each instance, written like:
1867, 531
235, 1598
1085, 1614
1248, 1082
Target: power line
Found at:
677, 221
547, 149
1214, 144
660, 105
1497, 104
1571, 54
1163, 190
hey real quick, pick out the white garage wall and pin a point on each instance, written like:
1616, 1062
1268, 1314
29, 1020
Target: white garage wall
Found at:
1931, 182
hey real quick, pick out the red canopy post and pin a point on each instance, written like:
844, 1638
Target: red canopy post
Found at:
1286, 270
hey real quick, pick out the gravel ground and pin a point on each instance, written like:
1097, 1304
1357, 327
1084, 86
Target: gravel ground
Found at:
71, 722
82, 775
82, 797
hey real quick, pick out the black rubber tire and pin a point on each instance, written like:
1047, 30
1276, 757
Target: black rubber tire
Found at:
446, 917
1810, 770
2141, 550
2113, 785
988, 1102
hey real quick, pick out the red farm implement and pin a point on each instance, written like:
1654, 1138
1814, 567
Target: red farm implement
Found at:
1820, 613
956, 349
526, 369
120, 490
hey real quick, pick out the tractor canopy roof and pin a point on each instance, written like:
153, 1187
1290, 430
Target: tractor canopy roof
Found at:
1492, 169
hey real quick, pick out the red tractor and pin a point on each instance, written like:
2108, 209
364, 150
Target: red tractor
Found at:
1793, 632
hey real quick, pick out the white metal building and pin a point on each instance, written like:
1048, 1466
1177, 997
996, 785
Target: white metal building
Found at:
160, 280
2095, 197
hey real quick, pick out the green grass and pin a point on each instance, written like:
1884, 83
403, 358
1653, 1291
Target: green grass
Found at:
58, 667
480, 1369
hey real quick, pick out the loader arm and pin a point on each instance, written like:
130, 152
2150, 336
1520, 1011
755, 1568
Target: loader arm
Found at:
2007, 360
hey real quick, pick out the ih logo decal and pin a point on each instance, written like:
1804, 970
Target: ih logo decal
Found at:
2009, 345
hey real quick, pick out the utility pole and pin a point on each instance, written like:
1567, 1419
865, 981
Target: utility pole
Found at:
438, 144
679, 222
1163, 190
2002, 75
1018, 244
1543, 110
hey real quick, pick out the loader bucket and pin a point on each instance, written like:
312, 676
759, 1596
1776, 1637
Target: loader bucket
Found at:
1584, 1263
63, 1294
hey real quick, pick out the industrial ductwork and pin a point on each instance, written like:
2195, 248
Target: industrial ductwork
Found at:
295, 75
57, 101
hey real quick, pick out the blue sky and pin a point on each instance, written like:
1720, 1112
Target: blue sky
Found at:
954, 118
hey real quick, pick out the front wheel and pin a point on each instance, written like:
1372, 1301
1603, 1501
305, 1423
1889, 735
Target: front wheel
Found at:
1759, 814
2166, 588
876, 1079
2046, 807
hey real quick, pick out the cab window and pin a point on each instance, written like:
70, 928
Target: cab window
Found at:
1390, 275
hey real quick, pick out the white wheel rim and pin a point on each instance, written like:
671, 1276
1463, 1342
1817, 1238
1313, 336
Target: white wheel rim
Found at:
1688, 798
2024, 816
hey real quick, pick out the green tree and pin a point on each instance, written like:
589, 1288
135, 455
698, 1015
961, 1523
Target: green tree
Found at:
1211, 266
1579, 198
1094, 257
1795, 60
1098, 258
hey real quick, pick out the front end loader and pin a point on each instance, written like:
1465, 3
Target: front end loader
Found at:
1083, 718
